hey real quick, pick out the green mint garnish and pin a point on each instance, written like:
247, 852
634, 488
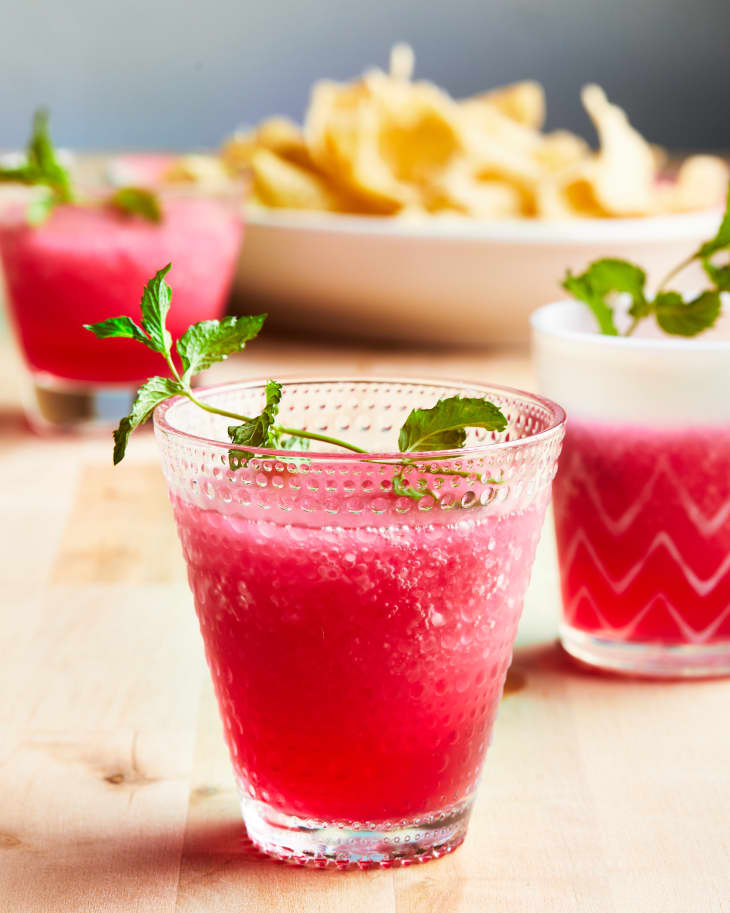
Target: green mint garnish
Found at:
209, 341
259, 431
686, 318
40, 209
604, 278
201, 345
136, 201
121, 328
41, 168
673, 314
148, 396
721, 239
720, 275
442, 427
156, 301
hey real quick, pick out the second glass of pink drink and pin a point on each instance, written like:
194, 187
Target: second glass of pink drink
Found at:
358, 638
88, 261
642, 497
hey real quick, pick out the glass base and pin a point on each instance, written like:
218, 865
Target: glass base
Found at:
55, 405
647, 659
337, 845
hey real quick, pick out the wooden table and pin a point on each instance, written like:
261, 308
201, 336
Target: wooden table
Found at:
600, 795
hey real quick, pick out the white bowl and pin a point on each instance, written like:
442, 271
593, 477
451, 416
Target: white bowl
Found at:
444, 281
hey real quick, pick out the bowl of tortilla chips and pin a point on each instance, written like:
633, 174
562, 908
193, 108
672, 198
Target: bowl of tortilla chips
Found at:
397, 211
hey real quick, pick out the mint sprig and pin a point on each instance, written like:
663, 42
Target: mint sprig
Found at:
259, 431
43, 168
137, 201
149, 395
673, 313
210, 341
442, 427
719, 275
202, 347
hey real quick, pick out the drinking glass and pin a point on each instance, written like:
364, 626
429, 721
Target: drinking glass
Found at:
358, 636
89, 262
642, 495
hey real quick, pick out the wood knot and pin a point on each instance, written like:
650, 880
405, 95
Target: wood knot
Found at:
9, 841
115, 779
203, 792
133, 778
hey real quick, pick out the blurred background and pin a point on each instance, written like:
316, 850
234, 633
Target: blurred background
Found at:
166, 74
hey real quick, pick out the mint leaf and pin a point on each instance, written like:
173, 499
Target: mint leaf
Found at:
39, 210
257, 432
136, 201
155, 305
122, 328
41, 167
721, 239
681, 318
603, 278
443, 426
720, 275
42, 162
210, 341
149, 395
580, 288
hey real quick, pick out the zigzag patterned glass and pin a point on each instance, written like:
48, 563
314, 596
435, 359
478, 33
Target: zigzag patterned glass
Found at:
358, 639
642, 496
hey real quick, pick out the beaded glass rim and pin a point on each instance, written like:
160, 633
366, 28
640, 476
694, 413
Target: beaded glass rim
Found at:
555, 411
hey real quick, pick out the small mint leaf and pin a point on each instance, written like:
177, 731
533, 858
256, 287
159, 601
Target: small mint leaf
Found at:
720, 275
722, 238
155, 305
148, 396
136, 201
41, 168
443, 426
211, 341
122, 328
258, 432
603, 278
15, 175
40, 209
681, 318
580, 288
42, 162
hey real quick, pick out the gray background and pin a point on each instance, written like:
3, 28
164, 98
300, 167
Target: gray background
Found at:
177, 75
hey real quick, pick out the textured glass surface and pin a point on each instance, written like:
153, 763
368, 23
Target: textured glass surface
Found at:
359, 638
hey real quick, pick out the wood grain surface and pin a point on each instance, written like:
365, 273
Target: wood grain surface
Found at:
600, 795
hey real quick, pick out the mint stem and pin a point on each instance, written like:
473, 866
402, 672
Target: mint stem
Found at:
313, 436
296, 432
673, 272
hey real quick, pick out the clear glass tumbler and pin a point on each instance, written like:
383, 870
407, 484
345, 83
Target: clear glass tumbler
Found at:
88, 262
358, 638
642, 495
